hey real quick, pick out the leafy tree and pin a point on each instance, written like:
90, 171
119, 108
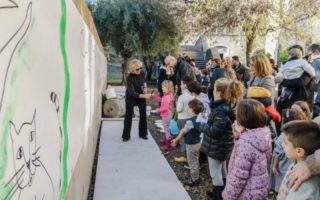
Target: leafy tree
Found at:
136, 26
262, 52
254, 17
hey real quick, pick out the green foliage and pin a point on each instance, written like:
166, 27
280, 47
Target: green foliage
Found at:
283, 56
136, 26
262, 52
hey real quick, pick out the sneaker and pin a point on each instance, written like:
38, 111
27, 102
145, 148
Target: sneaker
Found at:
187, 166
180, 159
191, 183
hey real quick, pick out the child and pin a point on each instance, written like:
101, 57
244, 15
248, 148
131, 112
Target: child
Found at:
304, 107
248, 165
280, 162
192, 140
165, 111
301, 139
263, 95
195, 90
182, 109
218, 138
203, 80
296, 65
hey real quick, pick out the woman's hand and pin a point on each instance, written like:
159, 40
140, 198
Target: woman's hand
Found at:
145, 96
174, 142
298, 175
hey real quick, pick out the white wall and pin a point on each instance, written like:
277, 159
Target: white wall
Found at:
50, 86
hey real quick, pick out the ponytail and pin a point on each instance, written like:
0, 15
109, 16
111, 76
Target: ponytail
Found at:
234, 92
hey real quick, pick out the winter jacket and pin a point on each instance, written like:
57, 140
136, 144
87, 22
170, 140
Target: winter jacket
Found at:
166, 104
295, 67
218, 137
266, 82
242, 73
248, 166
183, 69
182, 104
299, 89
135, 85
215, 74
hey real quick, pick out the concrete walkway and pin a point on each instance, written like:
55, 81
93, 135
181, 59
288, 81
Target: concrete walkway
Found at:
135, 170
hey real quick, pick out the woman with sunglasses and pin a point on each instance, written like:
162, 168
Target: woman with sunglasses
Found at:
136, 95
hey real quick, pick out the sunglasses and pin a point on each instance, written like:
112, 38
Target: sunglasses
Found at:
138, 69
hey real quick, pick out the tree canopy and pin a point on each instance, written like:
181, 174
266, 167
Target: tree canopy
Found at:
136, 26
254, 17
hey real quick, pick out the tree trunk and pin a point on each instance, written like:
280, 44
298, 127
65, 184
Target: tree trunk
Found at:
249, 47
125, 71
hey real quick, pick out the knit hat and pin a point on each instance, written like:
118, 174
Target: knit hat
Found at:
258, 92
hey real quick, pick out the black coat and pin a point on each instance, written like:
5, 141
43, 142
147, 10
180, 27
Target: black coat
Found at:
218, 137
135, 85
301, 89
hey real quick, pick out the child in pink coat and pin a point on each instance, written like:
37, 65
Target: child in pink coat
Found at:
248, 166
165, 110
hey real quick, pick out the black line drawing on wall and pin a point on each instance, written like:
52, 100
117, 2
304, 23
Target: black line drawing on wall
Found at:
55, 100
10, 46
8, 4
29, 171
31, 178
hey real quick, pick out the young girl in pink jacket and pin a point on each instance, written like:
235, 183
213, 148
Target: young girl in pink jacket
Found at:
165, 111
248, 166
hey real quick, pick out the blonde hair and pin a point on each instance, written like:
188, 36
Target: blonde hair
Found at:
169, 85
228, 67
134, 64
261, 65
295, 52
169, 58
230, 90
304, 107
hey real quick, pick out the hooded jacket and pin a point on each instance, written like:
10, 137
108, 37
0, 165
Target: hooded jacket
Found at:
166, 104
217, 132
248, 166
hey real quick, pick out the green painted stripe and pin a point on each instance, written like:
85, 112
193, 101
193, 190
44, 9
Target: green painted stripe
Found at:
63, 23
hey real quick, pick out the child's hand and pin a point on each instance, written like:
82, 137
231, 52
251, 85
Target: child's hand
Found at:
174, 143
275, 170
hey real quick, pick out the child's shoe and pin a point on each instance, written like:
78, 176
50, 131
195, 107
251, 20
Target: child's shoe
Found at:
180, 159
166, 146
191, 183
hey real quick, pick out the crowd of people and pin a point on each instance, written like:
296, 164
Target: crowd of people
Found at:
258, 121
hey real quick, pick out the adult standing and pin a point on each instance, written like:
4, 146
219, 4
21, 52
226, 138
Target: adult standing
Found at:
166, 72
261, 74
136, 94
215, 73
183, 68
314, 49
242, 72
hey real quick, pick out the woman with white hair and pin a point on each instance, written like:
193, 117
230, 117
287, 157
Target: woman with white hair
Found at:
136, 95
166, 72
